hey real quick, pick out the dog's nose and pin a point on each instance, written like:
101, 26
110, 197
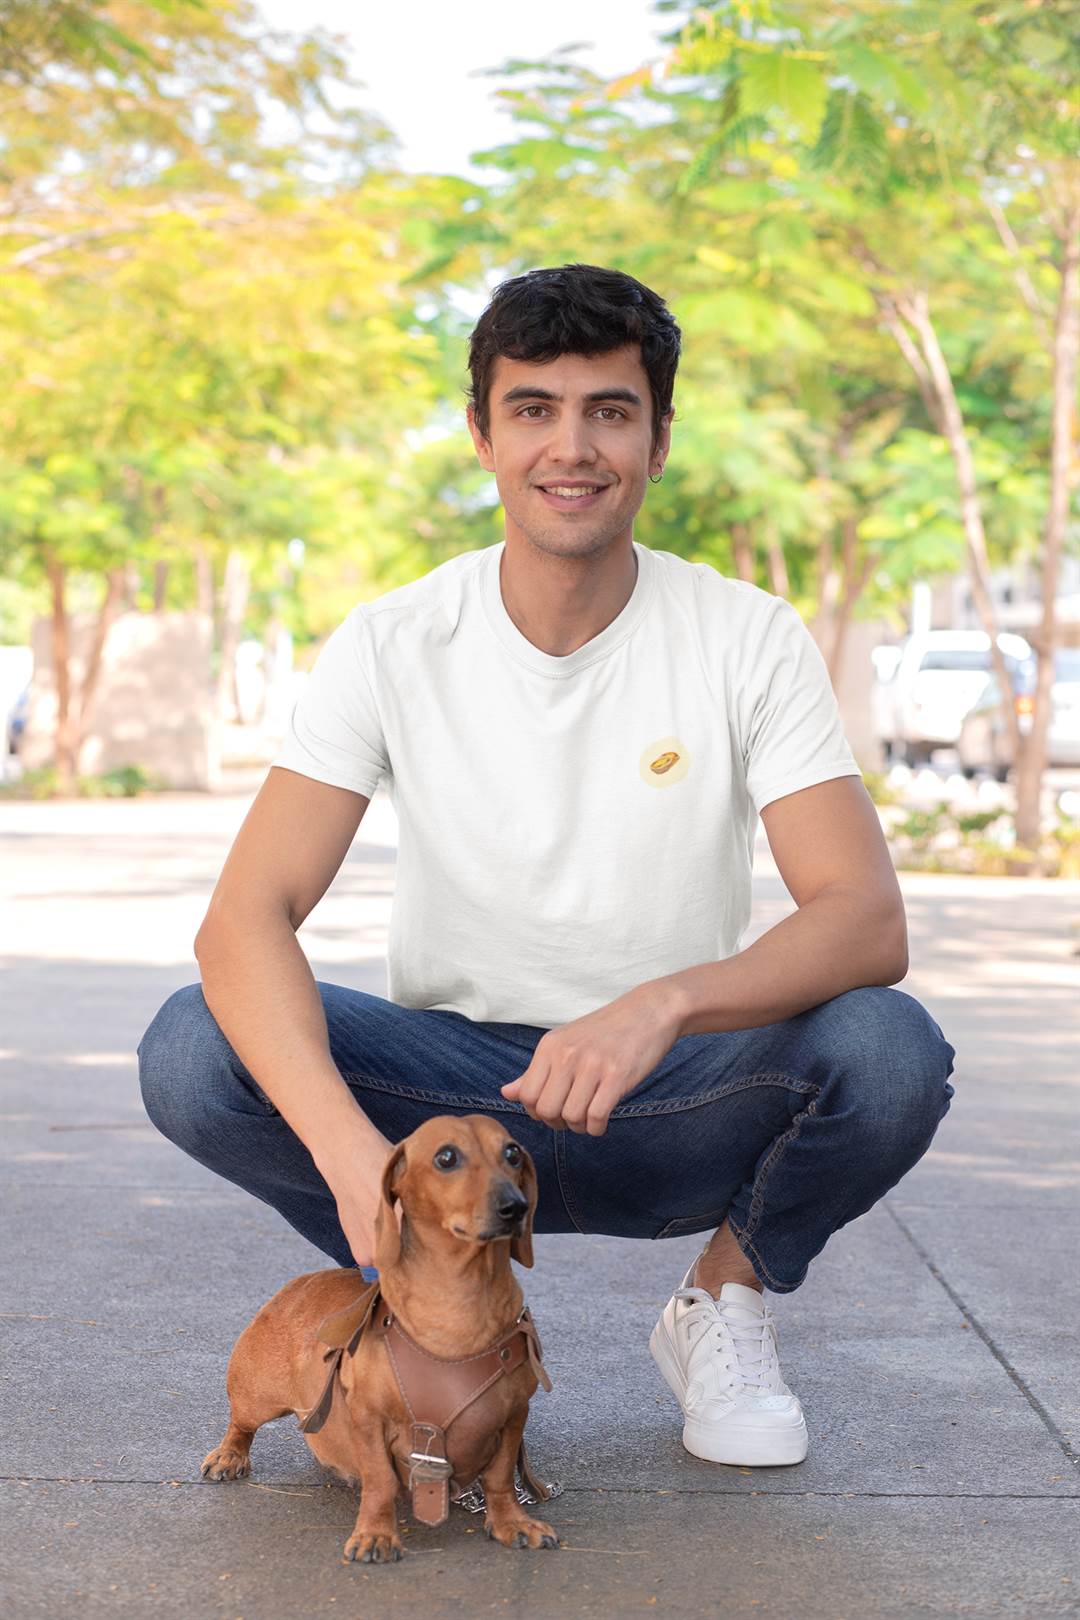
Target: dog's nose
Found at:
509, 1201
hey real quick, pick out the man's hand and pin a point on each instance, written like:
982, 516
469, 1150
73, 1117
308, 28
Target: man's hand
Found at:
355, 1179
581, 1070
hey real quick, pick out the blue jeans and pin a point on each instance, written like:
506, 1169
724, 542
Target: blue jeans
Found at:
791, 1130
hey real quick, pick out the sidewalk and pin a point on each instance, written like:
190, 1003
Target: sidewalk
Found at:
934, 1345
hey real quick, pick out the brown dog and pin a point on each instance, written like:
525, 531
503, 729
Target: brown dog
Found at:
431, 1369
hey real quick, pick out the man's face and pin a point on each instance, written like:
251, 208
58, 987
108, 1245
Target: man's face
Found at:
577, 422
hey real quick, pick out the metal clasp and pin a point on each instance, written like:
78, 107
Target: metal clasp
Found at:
425, 1463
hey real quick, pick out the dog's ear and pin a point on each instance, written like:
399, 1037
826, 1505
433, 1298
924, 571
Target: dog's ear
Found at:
521, 1248
387, 1230
338, 1329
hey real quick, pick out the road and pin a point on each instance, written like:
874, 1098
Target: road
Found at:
933, 1346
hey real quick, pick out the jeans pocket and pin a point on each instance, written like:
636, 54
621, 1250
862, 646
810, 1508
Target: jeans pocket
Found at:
692, 1223
257, 1091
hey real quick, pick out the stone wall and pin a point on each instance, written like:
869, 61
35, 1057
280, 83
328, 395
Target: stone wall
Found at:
154, 704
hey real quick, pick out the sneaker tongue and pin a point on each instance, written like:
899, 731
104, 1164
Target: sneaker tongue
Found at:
743, 1309
738, 1294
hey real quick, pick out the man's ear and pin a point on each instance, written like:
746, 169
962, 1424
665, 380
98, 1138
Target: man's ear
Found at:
481, 443
521, 1248
387, 1231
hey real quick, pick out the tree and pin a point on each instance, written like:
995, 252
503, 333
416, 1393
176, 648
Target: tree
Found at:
181, 331
939, 145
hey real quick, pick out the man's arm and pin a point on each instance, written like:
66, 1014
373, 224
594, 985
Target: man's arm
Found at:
850, 928
259, 985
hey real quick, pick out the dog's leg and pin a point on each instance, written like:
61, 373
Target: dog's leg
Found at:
230, 1460
375, 1539
506, 1519
251, 1402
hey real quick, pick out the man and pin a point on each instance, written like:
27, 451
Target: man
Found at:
578, 735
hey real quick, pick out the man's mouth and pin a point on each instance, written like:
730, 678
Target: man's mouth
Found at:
567, 495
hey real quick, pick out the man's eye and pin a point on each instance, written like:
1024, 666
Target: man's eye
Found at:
530, 408
447, 1158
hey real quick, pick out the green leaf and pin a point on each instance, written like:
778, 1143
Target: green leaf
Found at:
791, 84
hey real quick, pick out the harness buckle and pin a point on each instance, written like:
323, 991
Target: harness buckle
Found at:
428, 1459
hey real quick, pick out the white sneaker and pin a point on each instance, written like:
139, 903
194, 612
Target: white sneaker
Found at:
718, 1357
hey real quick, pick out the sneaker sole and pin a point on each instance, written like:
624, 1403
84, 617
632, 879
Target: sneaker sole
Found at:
746, 1448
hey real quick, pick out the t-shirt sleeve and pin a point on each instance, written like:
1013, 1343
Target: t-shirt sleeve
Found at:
334, 732
794, 737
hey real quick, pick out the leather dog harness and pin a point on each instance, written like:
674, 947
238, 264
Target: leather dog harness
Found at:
439, 1393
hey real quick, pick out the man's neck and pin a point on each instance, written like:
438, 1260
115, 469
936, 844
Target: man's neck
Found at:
560, 603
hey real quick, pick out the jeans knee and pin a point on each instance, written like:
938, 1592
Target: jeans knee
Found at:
180, 1056
897, 1064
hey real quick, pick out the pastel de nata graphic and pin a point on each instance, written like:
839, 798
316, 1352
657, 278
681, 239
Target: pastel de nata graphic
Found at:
664, 762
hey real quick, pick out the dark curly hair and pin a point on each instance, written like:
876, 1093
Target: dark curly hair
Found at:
574, 309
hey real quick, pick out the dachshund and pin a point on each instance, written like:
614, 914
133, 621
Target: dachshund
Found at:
420, 1381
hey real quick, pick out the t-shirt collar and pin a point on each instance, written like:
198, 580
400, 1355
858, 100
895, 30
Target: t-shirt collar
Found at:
599, 646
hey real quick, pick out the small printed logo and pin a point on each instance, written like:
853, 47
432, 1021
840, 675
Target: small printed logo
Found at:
664, 762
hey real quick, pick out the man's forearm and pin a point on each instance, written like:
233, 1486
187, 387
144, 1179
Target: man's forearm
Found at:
838, 941
260, 988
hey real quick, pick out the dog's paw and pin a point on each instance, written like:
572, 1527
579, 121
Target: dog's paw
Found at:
225, 1462
368, 1547
520, 1531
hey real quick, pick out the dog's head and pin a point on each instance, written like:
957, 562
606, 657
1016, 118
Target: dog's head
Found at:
465, 1175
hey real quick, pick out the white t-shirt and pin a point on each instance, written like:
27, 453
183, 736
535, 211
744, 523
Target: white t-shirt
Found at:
568, 827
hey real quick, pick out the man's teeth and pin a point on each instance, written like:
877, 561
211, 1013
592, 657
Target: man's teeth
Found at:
571, 494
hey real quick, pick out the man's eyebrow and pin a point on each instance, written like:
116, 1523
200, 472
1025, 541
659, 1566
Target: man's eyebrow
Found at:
626, 396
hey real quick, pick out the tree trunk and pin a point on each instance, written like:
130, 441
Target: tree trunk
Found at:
71, 717
114, 594
935, 383
916, 310
742, 551
65, 748
1066, 346
838, 591
234, 599
161, 580
204, 583
776, 562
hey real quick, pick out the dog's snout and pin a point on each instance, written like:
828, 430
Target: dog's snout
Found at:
510, 1202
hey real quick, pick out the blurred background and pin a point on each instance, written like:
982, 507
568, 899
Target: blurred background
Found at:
242, 246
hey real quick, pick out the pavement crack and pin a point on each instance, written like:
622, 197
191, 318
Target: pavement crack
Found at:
995, 1350
585, 1490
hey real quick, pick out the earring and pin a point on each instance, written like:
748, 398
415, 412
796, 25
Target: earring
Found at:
658, 477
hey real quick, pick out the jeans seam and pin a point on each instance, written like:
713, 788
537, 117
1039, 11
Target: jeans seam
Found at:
485, 1104
562, 1174
620, 1111
711, 1217
678, 1105
745, 1243
757, 1200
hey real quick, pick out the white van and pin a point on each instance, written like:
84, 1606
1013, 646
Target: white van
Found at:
923, 689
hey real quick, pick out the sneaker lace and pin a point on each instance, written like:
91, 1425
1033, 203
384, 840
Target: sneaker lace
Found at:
750, 1337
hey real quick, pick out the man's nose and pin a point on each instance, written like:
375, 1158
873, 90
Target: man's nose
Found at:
571, 442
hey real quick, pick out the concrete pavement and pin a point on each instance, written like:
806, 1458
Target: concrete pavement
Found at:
934, 1345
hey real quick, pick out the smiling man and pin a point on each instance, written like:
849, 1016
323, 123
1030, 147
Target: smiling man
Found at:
578, 735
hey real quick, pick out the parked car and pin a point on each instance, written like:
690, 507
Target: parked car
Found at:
16, 720
923, 689
985, 743
16, 670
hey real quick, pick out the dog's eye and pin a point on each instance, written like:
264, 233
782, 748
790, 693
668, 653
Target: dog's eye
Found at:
512, 1153
446, 1158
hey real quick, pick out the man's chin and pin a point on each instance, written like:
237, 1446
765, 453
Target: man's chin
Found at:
565, 540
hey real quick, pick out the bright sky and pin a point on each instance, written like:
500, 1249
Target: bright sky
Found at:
415, 58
